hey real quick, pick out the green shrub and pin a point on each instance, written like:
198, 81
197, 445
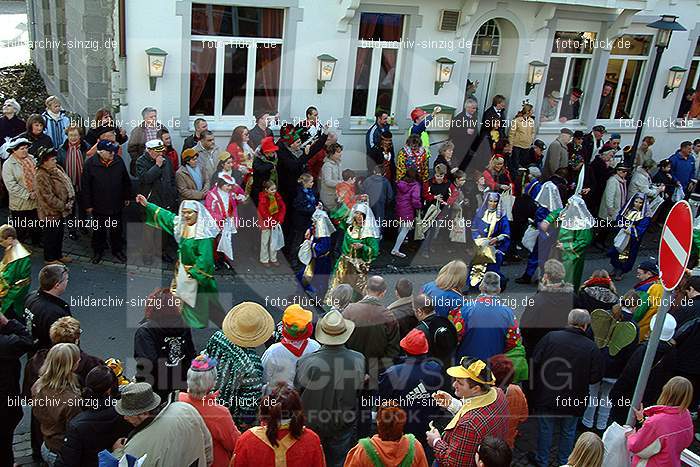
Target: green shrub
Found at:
24, 84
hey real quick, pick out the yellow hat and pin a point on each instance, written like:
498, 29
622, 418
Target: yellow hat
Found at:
297, 322
474, 369
224, 156
187, 154
248, 324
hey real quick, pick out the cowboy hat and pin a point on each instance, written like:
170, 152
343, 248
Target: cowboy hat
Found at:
333, 329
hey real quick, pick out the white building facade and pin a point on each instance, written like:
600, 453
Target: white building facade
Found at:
230, 59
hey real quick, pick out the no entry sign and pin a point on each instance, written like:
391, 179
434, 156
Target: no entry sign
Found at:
676, 240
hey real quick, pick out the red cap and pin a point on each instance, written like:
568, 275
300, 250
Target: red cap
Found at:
417, 113
415, 343
268, 145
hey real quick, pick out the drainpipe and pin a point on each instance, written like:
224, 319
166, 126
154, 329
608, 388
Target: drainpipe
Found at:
122, 94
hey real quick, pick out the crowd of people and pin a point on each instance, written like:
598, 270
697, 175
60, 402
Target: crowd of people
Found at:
446, 373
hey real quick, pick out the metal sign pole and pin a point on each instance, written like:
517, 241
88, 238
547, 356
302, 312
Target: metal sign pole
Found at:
649, 355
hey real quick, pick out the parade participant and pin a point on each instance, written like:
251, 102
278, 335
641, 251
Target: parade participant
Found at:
412, 156
303, 207
440, 192
479, 410
421, 119
331, 177
314, 277
575, 234
548, 201
271, 212
281, 438
380, 192
592, 142
491, 234
408, 200
641, 182
240, 372
201, 378
194, 230
632, 223
525, 208
650, 291
614, 198
222, 203
359, 248
15, 274
280, 359
264, 167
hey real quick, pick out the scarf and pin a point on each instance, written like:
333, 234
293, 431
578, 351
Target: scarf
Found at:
74, 163
295, 347
473, 403
54, 116
273, 207
273, 172
28, 172
196, 175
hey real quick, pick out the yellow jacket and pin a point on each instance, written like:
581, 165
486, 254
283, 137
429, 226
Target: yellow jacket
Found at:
522, 132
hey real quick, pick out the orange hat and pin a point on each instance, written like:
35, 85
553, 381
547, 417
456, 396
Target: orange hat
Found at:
188, 154
296, 322
415, 343
417, 113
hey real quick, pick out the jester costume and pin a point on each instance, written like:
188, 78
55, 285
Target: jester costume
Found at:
634, 220
408, 158
318, 261
575, 223
354, 263
650, 292
15, 278
548, 200
194, 282
489, 222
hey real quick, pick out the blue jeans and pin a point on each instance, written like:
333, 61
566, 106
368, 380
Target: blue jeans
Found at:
567, 436
336, 448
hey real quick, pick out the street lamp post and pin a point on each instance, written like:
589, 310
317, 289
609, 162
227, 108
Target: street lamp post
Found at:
666, 25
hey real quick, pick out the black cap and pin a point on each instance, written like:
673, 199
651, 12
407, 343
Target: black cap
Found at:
649, 266
599, 128
621, 166
566, 131
540, 144
578, 134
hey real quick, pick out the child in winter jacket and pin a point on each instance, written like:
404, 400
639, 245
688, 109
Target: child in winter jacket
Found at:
305, 204
408, 199
271, 211
222, 203
438, 190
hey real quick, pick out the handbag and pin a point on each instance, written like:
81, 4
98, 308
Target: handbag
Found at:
529, 238
458, 234
621, 241
276, 238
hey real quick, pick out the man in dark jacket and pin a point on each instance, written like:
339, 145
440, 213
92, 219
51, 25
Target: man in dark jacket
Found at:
376, 333
200, 126
495, 117
439, 330
402, 307
377, 156
15, 341
596, 177
592, 142
464, 132
157, 184
45, 306
565, 363
292, 160
106, 190
413, 381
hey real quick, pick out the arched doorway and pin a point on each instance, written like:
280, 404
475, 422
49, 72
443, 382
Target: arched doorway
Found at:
492, 64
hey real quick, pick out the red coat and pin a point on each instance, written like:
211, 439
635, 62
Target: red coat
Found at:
503, 179
215, 205
264, 216
316, 163
174, 158
305, 452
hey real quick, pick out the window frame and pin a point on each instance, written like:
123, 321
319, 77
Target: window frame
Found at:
568, 56
375, 71
238, 41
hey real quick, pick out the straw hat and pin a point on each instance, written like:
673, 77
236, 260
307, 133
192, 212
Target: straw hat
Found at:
137, 398
333, 329
248, 324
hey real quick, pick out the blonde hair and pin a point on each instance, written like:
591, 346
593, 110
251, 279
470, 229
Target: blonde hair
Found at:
453, 275
446, 146
65, 330
57, 371
677, 392
305, 178
7, 231
440, 169
50, 100
588, 451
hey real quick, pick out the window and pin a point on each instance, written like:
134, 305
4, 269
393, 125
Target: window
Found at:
686, 109
48, 51
625, 70
63, 49
487, 40
568, 69
236, 55
376, 64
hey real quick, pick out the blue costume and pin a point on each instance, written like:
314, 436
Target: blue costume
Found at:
314, 277
548, 200
489, 222
635, 219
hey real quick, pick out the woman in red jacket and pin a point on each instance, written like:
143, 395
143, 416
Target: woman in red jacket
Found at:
497, 177
278, 440
271, 211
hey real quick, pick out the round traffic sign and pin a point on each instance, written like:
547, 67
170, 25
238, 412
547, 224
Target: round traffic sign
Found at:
674, 248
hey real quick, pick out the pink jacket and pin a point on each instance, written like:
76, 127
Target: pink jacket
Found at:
215, 205
664, 435
407, 200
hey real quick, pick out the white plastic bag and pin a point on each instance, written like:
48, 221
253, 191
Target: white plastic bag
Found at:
225, 245
621, 241
529, 238
305, 254
615, 442
507, 200
458, 234
678, 195
277, 238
